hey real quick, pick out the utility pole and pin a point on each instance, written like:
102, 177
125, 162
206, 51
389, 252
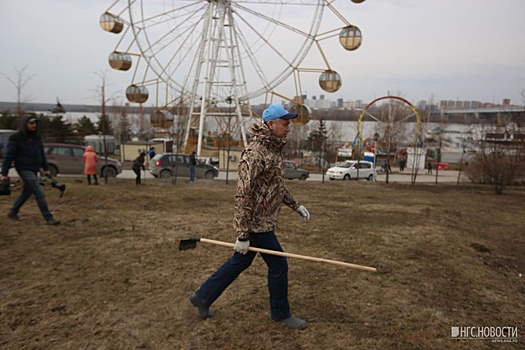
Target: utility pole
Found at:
104, 119
229, 100
376, 138
104, 130
438, 155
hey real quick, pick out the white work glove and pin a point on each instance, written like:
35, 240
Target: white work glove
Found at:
303, 213
241, 246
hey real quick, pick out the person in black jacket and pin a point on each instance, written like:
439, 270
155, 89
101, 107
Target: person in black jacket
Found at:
26, 149
138, 164
192, 164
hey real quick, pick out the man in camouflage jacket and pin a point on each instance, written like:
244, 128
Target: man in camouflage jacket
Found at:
261, 191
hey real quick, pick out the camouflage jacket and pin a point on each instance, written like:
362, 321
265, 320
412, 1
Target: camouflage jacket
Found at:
260, 184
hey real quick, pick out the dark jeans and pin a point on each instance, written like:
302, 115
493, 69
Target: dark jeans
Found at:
192, 173
31, 187
137, 178
277, 275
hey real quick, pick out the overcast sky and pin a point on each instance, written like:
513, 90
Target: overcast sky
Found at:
419, 49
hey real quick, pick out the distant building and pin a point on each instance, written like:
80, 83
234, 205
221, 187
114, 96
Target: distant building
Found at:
323, 104
475, 104
348, 104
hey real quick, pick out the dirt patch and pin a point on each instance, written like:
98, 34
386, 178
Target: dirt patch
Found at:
111, 276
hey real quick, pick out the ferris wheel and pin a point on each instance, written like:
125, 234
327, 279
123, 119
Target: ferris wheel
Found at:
396, 121
205, 59
397, 129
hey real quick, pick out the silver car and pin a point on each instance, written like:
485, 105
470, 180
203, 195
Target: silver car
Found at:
291, 171
64, 158
167, 165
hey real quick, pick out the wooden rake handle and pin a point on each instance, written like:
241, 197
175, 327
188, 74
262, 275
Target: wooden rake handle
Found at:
290, 255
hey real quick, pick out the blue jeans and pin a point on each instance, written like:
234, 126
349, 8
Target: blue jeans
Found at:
192, 173
31, 186
277, 275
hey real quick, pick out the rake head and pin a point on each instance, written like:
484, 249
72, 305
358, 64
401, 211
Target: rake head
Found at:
190, 243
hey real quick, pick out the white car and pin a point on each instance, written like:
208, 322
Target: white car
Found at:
352, 169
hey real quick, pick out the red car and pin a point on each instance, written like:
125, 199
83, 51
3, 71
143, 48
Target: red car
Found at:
443, 166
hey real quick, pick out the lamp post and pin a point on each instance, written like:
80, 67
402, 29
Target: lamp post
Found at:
376, 137
229, 99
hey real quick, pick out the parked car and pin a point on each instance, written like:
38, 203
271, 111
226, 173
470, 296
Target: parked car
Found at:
351, 169
166, 165
291, 171
66, 158
4, 138
443, 166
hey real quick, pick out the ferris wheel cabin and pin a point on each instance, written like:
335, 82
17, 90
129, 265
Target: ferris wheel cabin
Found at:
120, 61
137, 94
303, 114
330, 81
350, 38
161, 120
111, 23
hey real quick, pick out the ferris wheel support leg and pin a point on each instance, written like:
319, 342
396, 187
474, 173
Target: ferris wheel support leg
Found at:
188, 128
201, 127
243, 134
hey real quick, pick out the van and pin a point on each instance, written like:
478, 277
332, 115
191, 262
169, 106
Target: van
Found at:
352, 169
97, 142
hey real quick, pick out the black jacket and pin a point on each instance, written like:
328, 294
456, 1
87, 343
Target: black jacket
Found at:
138, 163
25, 149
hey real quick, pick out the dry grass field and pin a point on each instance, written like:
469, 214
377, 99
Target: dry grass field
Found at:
111, 276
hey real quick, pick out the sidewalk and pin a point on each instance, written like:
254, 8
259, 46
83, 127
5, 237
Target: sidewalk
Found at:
443, 176
448, 176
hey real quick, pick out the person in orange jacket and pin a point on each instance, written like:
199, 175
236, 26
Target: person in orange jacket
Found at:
90, 164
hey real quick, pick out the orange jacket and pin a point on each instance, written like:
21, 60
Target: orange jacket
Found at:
90, 161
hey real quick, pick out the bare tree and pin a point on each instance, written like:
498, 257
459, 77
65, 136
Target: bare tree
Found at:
334, 140
435, 139
104, 123
121, 124
177, 133
20, 83
501, 157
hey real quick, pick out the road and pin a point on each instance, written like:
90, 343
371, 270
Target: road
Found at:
445, 176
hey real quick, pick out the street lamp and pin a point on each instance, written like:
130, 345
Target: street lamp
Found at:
229, 99
376, 137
